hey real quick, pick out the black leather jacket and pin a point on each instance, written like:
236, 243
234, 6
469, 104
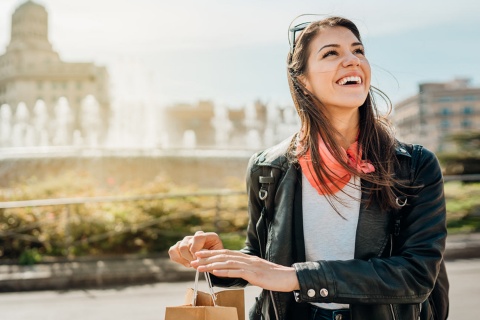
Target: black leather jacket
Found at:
390, 277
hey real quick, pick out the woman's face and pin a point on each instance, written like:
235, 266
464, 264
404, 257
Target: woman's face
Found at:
338, 73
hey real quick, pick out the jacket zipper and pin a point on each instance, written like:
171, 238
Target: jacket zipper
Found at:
274, 305
393, 313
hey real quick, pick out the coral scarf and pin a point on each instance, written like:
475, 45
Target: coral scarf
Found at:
353, 156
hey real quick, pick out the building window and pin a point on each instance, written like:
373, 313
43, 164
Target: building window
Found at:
445, 124
39, 85
466, 123
469, 98
445, 99
468, 110
446, 112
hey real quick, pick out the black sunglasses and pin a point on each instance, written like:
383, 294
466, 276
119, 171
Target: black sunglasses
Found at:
295, 31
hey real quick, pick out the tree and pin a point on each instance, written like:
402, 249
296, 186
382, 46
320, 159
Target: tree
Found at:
465, 159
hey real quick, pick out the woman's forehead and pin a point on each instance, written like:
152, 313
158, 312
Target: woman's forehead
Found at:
335, 35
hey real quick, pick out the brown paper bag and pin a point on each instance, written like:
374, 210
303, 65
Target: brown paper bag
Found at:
225, 305
225, 298
200, 313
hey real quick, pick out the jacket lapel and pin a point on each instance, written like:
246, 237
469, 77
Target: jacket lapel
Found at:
373, 228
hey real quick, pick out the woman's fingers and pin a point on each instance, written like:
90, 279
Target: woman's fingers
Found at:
259, 272
180, 253
183, 251
185, 248
226, 258
205, 240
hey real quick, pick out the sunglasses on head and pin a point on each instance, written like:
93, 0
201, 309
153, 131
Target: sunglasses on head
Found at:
295, 31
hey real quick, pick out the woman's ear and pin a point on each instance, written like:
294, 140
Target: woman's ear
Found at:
304, 82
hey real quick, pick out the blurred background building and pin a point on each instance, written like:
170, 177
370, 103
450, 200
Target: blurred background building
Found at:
47, 102
44, 100
438, 111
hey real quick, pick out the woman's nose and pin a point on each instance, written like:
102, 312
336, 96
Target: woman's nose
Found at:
351, 60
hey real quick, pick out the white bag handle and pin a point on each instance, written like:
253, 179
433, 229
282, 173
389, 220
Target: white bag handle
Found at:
210, 288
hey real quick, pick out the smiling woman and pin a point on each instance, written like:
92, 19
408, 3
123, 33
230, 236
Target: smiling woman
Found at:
346, 222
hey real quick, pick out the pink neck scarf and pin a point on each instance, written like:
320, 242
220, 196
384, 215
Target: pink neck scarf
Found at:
353, 156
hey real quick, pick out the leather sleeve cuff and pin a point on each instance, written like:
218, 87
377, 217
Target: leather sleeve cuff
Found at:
228, 282
316, 282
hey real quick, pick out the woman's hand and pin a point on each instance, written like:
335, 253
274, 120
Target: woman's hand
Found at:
257, 271
183, 251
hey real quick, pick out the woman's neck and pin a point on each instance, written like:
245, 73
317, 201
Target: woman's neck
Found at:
346, 123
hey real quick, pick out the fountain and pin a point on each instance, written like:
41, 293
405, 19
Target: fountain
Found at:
21, 133
63, 123
5, 125
222, 125
253, 140
189, 139
90, 121
40, 124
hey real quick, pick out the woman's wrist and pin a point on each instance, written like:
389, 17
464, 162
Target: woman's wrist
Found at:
292, 279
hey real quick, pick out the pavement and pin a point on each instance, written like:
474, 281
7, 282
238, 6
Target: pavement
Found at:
108, 272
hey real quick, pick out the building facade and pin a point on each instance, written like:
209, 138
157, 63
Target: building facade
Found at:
437, 111
206, 125
32, 72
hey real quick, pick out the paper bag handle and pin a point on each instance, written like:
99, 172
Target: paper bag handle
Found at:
210, 288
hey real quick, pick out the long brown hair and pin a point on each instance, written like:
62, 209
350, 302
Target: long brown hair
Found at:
376, 138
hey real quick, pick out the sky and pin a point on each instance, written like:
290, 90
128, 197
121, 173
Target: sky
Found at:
234, 52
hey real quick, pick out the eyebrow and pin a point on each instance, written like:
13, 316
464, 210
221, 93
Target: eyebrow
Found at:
337, 46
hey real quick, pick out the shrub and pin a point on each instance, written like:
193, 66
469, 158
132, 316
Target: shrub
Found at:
104, 228
463, 206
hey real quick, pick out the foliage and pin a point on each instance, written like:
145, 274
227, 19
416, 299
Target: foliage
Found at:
104, 228
468, 142
463, 206
465, 156
30, 257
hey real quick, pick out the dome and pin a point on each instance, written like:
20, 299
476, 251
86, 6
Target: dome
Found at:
30, 6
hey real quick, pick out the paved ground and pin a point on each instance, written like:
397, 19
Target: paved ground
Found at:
149, 301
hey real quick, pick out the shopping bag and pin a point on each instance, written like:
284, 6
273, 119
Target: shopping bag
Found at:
226, 298
207, 306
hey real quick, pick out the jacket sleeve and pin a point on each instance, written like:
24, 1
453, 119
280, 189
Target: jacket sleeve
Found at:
409, 274
252, 243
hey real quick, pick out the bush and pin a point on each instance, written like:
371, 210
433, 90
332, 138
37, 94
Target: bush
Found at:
143, 226
463, 206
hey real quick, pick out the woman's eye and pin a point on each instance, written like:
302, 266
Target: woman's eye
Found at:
359, 51
330, 53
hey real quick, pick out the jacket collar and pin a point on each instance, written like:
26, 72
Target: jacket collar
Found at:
276, 156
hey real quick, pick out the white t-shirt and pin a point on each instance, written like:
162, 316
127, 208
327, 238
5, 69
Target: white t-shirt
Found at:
327, 235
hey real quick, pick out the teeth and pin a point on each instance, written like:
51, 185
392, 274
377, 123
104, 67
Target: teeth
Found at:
355, 79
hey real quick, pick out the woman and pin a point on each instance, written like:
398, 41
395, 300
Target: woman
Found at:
345, 221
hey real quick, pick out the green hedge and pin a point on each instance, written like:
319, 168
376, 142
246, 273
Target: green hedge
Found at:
141, 227
463, 207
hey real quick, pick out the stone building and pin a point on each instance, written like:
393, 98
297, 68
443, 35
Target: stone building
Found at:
205, 125
437, 111
32, 71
